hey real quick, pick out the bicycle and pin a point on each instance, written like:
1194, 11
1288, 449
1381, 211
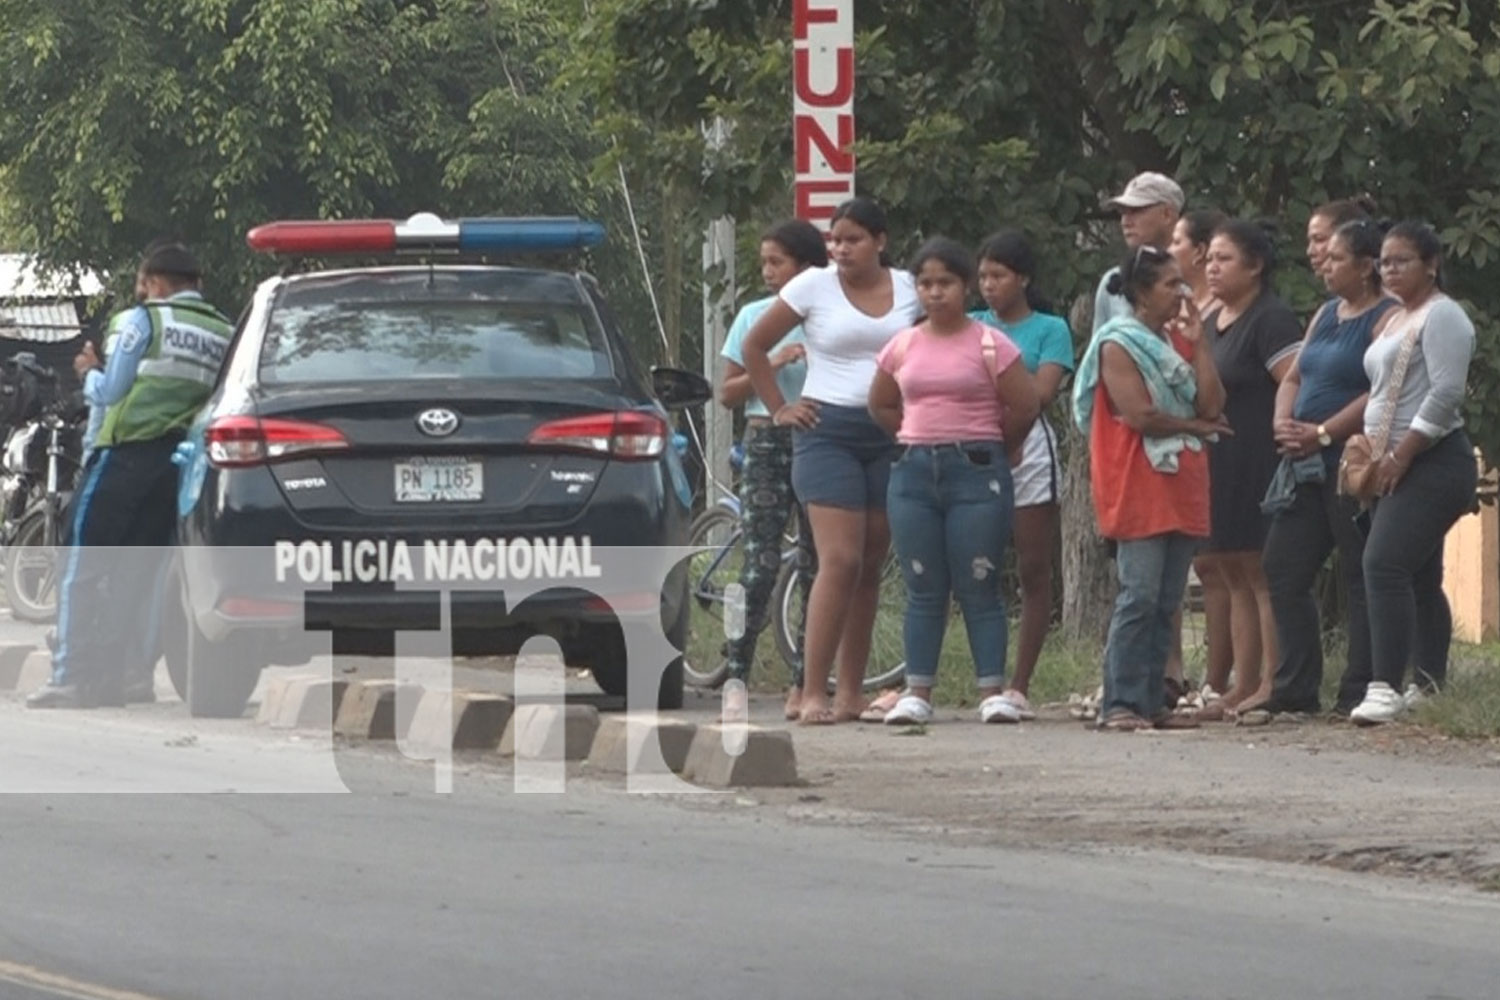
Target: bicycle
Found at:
714, 592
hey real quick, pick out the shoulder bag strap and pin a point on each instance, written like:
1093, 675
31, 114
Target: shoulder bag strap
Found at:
1415, 321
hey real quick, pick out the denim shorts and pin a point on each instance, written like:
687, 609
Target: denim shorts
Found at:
845, 461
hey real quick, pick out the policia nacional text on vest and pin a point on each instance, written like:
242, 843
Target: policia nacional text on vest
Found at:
175, 377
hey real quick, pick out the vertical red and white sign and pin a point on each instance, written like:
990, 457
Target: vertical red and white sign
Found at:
823, 106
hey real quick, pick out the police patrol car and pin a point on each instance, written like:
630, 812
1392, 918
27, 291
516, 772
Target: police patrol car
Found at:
376, 425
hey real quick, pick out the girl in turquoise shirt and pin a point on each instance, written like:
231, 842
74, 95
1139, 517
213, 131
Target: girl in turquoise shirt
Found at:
1007, 267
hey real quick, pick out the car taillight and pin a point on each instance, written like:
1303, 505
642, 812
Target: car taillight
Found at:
242, 440
619, 435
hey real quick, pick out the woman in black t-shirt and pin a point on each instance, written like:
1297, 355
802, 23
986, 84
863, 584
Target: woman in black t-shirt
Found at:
1255, 338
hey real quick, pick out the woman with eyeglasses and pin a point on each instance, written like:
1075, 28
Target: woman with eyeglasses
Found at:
1320, 404
1255, 337
1147, 396
1427, 473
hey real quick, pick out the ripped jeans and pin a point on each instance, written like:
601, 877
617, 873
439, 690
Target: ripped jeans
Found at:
950, 509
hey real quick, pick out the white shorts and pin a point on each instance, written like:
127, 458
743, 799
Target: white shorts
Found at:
1036, 478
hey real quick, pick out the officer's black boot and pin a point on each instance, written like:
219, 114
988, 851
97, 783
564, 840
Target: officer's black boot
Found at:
109, 690
50, 695
140, 689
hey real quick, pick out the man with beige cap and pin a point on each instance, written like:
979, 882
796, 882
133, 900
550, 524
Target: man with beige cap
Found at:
1149, 209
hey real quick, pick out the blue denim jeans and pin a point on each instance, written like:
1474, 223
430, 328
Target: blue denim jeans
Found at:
1153, 575
950, 509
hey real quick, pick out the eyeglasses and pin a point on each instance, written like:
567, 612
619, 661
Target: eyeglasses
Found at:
1151, 252
1397, 263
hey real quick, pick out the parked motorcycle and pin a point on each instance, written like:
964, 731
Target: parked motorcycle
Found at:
41, 461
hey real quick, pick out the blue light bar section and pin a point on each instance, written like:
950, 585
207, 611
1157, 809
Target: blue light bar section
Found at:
528, 234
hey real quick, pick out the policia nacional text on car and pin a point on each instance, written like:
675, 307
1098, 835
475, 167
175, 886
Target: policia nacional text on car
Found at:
163, 367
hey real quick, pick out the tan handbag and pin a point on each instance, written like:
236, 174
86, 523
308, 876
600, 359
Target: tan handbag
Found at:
1362, 454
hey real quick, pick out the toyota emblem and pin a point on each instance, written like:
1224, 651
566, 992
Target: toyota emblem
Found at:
437, 422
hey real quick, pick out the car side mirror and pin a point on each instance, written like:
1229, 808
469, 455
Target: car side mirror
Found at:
678, 388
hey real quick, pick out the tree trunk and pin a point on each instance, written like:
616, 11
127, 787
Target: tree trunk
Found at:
1088, 577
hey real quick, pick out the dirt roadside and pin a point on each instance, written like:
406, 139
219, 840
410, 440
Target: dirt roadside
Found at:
1393, 800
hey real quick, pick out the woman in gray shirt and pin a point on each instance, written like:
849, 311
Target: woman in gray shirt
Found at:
1427, 476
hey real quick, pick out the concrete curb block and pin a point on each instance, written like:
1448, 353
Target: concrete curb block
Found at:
368, 710
34, 671
550, 732
626, 744
459, 720
769, 760
12, 663
309, 703
272, 693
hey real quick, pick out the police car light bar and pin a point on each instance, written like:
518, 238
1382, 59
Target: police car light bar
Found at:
426, 231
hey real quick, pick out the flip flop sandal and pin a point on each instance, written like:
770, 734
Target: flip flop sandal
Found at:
878, 709
1216, 711
1124, 722
909, 711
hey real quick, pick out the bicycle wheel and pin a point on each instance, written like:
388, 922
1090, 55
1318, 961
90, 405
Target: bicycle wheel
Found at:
710, 575
887, 662
31, 569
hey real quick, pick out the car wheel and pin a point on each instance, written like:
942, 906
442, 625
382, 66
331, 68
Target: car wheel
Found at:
607, 662
215, 679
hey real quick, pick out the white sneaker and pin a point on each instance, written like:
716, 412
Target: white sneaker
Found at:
909, 711
1382, 704
998, 708
1413, 696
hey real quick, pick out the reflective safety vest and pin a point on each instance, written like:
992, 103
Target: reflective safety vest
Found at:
189, 341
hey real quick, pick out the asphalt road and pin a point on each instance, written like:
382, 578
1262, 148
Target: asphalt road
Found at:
367, 884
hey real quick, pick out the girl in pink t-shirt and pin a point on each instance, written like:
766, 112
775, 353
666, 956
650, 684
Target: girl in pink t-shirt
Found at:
956, 394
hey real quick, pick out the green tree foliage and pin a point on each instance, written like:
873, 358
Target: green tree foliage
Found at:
126, 119
992, 113
122, 119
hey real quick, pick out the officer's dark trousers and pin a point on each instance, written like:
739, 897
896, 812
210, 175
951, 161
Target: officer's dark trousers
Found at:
114, 562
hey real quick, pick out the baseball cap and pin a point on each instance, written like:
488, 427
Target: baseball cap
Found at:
1149, 189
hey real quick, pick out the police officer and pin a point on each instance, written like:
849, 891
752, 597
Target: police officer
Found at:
162, 369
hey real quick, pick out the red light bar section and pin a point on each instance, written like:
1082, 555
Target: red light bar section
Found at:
372, 236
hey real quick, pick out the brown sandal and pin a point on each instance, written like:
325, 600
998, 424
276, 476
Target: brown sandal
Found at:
1123, 722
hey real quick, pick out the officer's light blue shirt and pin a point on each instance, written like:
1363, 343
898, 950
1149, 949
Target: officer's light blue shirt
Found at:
93, 381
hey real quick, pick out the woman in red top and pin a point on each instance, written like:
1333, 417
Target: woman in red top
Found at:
1148, 395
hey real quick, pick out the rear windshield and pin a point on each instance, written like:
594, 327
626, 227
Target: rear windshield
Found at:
480, 323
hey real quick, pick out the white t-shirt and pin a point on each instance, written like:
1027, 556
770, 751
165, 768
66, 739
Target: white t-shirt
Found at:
842, 341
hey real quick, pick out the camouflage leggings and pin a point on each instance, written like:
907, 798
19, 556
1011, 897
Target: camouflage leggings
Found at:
766, 495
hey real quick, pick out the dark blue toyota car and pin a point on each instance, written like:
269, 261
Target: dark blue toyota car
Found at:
414, 409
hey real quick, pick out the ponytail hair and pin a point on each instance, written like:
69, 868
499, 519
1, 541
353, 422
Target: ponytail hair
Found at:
866, 213
951, 254
1424, 239
1257, 241
1011, 250
1140, 269
801, 241
1363, 238
1346, 210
